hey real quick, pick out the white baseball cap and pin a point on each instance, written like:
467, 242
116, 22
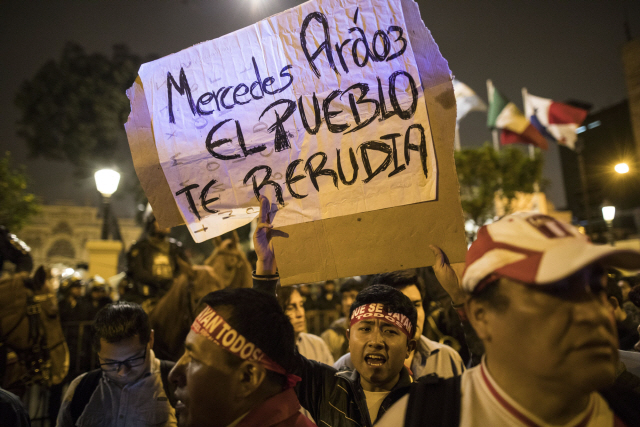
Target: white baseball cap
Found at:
536, 249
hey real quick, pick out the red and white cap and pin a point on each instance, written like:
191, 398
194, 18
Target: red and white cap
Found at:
536, 249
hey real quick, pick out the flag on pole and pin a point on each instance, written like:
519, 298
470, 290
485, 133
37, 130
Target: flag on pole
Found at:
466, 100
514, 126
555, 120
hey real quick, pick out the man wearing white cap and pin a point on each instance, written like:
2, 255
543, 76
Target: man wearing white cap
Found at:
535, 297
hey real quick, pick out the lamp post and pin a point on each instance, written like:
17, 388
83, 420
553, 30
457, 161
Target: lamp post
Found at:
608, 213
107, 183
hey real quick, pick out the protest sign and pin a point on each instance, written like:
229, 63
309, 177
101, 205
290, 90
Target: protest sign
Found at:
321, 108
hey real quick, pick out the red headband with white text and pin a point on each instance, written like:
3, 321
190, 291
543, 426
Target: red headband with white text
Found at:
376, 311
212, 326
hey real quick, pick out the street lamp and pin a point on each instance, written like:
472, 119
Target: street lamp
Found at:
608, 213
107, 183
622, 168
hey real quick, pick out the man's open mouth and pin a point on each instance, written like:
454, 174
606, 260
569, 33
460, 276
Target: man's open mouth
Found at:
375, 360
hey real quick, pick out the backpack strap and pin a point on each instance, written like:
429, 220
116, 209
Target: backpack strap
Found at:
169, 389
434, 401
83, 393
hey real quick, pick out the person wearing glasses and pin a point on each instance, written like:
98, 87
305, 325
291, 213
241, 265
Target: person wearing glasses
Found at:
130, 388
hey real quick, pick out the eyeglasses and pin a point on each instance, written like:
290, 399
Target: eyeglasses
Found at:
129, 363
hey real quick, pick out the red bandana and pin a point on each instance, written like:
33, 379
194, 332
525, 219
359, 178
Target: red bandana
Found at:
212, 326
376, 311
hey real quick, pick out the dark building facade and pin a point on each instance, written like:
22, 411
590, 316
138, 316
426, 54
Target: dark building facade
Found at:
607, 138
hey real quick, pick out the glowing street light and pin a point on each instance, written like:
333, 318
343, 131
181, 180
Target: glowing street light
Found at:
107, 181
622, 168
608, 214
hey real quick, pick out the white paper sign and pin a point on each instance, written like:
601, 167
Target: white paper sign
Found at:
319, 108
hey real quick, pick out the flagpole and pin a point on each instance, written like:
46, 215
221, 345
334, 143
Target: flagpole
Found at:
583, 181
524, 108
456, 140
494, 132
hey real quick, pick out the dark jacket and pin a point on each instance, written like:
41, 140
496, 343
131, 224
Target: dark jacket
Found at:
334, 398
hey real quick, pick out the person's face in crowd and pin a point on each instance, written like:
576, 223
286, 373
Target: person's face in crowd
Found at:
211, 391
129, 350
413, 293
562, 332
329, 287
348, 298
295, 311
625, 287
75, 291
378, 350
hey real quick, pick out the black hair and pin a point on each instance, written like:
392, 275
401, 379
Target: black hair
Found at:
119, 321
259, 318
351, 285
394, 302
400, 280
634, 295
283, 294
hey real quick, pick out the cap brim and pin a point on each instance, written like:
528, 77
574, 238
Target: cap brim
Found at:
564, 260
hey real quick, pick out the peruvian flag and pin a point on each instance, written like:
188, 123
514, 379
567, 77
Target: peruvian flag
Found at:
514, 126
555, 120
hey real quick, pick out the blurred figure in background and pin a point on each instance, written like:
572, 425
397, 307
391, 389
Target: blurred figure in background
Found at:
98, 294
336, 336
152, 264
14, 250
626, 284
72, 305
626, 325
328, 299
309, 345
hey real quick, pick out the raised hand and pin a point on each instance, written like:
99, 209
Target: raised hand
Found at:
262, 243
449, 275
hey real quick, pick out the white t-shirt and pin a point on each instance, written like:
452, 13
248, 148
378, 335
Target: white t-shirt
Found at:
484, 403
374, 401
314, 348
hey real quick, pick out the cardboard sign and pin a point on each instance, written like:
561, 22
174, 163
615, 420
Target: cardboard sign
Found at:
320, 108
336, 111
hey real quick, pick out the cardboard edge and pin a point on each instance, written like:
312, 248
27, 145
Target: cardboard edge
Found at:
145, 158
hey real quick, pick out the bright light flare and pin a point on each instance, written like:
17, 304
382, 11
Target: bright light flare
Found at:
608, 213
622, 168
107, 181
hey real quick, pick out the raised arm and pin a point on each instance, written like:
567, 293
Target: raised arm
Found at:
450, 277
265, 277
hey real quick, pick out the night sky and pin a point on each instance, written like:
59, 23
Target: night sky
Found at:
562, 50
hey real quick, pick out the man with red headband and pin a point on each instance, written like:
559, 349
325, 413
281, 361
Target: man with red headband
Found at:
381, 335
535, 297
235, 371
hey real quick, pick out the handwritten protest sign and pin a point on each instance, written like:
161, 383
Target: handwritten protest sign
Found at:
373, 240
320, 108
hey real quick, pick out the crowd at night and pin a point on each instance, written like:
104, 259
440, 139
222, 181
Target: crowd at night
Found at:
257, 213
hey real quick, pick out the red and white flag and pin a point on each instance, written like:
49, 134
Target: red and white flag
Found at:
554, 120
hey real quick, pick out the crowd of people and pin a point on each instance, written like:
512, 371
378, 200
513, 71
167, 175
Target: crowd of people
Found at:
539, 327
